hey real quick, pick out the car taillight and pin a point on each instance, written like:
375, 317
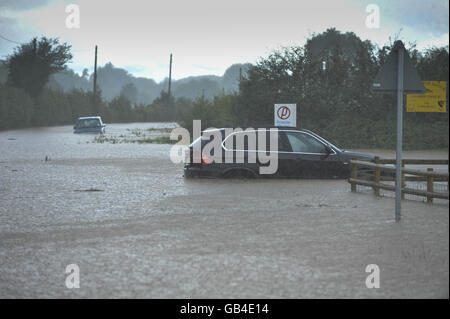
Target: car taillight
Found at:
205, 160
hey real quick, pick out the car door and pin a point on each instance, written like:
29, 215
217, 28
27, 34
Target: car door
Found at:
242, 147
278, 153
309, 157
286, 158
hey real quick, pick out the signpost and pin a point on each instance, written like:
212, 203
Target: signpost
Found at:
434, 100
285, 115
398, 75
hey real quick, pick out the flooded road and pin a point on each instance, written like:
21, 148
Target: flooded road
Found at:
136, 228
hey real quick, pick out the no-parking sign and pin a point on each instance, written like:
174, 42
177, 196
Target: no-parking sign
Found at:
285, 115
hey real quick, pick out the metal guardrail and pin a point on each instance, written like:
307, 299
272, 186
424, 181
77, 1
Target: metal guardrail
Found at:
378, 165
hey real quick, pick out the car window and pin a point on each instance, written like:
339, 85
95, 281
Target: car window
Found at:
304, 143
281, 145
244, 136
243, 141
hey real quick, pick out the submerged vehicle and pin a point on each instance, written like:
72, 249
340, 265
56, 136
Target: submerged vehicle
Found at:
300, 153
89, 124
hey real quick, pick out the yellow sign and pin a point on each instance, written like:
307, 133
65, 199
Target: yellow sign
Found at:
434, 100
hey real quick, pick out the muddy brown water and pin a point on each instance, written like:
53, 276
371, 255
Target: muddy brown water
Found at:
136, 228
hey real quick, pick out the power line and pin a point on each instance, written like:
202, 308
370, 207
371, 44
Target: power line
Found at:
9, 40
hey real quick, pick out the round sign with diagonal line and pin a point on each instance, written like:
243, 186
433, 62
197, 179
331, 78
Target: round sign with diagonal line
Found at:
285, 114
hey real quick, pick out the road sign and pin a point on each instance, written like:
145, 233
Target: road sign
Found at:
399, 76
285, 115
386, 80
434, 100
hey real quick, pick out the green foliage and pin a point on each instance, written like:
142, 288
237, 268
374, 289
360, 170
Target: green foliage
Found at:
32, 63
16, 108
120, 110
130, 92
124, 139
329, 80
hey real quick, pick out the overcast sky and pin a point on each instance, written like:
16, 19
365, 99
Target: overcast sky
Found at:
207, 36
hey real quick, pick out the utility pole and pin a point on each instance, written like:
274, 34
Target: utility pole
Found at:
95, 82
170, 74
35, 47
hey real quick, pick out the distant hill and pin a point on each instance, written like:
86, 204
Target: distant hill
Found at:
113, 81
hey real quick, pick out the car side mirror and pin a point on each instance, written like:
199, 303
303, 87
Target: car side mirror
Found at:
328, 150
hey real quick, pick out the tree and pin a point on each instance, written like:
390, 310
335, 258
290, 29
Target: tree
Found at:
163, 108
85, 73
130, 92
121, 110
433, 64
31, 64
3, 72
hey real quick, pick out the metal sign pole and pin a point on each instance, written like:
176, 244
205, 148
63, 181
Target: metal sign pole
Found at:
408, 81
398, 170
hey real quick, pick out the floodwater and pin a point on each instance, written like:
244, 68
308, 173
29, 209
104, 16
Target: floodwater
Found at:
136, 228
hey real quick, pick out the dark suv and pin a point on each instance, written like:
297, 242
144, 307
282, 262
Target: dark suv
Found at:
299, 153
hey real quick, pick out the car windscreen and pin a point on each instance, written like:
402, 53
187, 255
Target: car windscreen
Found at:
85, 123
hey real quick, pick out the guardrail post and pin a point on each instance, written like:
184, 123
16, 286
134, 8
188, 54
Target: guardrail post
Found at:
403, 180
354, 175
377, 176
430, 187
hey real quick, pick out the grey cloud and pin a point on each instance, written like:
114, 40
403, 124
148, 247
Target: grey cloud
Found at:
7, 26
8, 31
19, 5
423, 16
10, 26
